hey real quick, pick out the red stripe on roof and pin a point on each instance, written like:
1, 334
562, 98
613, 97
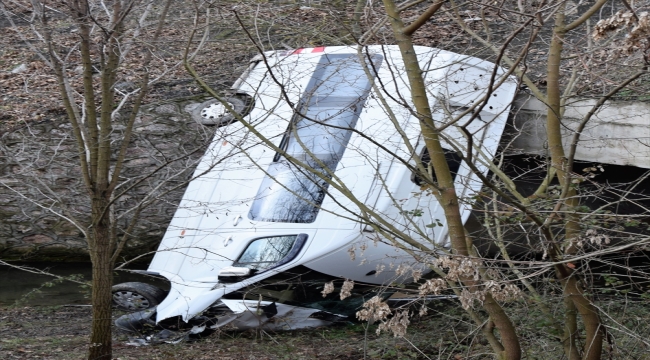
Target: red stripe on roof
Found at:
298, 51
319, 49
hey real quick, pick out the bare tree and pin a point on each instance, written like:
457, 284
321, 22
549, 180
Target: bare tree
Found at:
87, 63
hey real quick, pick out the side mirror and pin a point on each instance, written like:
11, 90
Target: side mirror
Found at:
233, 274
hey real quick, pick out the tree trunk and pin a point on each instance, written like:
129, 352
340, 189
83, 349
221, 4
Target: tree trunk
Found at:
101, 339
511, 349
588, 312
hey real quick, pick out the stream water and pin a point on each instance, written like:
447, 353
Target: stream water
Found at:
18, 287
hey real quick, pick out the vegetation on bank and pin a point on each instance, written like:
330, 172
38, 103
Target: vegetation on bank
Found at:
444, 333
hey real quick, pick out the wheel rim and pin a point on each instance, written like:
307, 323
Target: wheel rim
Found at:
214, 111
130, 300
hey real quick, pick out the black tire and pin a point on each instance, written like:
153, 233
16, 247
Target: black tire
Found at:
136, 296
212, 112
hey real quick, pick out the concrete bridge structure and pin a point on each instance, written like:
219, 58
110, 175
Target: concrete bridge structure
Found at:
618, 133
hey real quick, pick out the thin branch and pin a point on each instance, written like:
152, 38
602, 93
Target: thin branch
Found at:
49, 209
119, 162
585, 15
423, 18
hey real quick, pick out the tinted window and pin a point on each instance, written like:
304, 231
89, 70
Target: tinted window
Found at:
453, 161
317, 135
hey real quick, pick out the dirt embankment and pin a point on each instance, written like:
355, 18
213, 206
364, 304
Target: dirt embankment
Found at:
445, 332
62, 333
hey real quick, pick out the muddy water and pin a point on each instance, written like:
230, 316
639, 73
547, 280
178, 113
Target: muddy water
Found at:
26, 288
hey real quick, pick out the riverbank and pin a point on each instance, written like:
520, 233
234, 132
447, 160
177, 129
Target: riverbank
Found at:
55, 333
61, 333
57, 284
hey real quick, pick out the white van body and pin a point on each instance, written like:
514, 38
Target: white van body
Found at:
244, 191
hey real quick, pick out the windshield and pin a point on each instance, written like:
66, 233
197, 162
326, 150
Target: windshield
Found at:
317, 136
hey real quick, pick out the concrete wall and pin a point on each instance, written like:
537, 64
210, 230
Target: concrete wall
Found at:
619, 133
39, 170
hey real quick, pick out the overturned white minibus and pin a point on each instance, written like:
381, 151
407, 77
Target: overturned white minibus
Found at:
258, 234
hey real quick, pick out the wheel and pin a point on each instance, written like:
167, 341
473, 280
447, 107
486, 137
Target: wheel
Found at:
137, 296
213, 112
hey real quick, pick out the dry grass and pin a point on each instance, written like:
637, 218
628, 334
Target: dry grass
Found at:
445, 333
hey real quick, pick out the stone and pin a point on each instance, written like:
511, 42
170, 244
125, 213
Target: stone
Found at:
191, 107
137, 162
125, 86
56, 245
37, 239
166, 109
20, 68
144, 119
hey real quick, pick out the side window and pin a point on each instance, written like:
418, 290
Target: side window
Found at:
453, 160
265, 253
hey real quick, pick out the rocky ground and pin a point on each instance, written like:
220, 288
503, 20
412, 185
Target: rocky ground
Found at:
62, 332
445, 332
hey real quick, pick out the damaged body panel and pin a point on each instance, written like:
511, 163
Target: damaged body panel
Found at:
256, 236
